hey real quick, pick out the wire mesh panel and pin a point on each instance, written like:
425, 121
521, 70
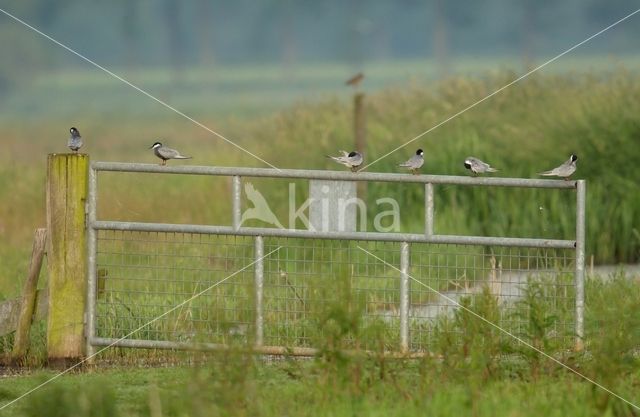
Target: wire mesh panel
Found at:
318, 292
528, 292
143, 275
331, 291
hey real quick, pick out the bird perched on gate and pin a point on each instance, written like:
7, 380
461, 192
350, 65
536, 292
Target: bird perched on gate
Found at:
415, 162
351, 159
355, 80
165, 153
477, 166
75, 140
565, 170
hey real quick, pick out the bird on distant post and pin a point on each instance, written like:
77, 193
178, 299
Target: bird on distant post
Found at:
355, 80
75, 140
165, 153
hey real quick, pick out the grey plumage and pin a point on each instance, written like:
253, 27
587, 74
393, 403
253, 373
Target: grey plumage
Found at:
415, 162
75, 140
565, 170
477, 166
351, 159
165, 153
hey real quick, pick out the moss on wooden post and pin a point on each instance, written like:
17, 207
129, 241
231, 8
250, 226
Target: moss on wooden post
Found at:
67, 178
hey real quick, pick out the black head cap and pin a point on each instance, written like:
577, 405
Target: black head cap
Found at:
74, 131
419, 152
467, 165
352, 154
155, 145
574, 157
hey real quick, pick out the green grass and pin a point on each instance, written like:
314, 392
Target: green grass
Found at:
527, 128
478, 372
301, 389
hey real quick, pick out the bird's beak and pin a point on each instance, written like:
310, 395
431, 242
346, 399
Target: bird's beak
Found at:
150, 147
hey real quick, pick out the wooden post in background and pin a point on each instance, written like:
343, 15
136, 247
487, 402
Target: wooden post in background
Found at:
67, 179
360, 136
28, 303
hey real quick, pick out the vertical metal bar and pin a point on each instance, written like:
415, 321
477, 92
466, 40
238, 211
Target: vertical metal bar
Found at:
428, 209
90, 325
580, 238
404, 296
236, 193
259, 289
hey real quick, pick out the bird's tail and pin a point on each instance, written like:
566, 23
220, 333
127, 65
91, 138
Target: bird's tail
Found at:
491, 169
182, 157
546, 173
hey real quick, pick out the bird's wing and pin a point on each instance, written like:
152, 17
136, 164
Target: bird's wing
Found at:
486, 166
168, 152
410, 162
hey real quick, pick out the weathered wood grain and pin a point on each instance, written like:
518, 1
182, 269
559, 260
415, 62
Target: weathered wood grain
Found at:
67, 179
28, 302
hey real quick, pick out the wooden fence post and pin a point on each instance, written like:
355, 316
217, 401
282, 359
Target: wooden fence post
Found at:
28, 303
67, 179
360, 136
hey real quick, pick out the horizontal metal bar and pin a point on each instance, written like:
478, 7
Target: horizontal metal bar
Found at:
331, 175
263, 350
308, 234
165, 344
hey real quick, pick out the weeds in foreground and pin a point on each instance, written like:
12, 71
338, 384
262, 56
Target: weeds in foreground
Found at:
475, 370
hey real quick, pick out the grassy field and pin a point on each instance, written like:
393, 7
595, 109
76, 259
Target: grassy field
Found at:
528, 128
477, 373
306, 389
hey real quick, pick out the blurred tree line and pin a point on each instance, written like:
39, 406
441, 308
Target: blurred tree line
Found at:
182, 33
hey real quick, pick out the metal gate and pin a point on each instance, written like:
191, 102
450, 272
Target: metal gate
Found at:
289, 291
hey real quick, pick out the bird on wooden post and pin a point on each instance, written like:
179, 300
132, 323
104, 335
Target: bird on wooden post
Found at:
359, 123
75, 140
355, 80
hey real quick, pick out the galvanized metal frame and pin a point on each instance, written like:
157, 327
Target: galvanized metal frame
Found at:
429, 236
581, 187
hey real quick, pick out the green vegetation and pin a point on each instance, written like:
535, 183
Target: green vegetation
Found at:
477, 371
525, 129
